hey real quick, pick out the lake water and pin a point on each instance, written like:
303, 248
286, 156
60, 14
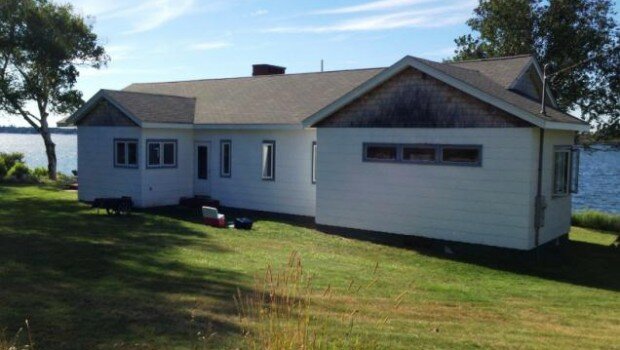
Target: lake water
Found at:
599, 180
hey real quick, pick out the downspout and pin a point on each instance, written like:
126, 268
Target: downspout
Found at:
540, 205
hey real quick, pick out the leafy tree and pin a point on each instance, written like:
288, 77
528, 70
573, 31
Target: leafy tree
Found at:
42, 44
561, 33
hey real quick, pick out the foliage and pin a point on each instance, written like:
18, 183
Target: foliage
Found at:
89, 281
40, 172
42, 45
597, 220
17, 342
562, 34
3, 168
11, 158
19, 171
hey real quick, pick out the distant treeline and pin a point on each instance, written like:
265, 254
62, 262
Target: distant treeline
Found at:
28, 130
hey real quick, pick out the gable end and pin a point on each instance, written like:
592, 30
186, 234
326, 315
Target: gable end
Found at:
414, 99
105, 114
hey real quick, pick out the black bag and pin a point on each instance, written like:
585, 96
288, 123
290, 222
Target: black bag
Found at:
243, 223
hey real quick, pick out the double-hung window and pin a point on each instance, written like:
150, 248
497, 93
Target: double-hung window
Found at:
269, 160
161, 153
126, 153
225, 158
565, 170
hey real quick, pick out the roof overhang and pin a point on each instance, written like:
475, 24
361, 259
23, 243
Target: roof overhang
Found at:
410, 62
73, 119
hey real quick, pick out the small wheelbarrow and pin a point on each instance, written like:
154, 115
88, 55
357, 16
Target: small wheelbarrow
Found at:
116, 206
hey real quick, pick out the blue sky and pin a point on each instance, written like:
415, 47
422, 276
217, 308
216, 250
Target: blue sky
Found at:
163, 40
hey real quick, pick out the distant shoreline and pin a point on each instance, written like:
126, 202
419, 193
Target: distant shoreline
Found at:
27, 130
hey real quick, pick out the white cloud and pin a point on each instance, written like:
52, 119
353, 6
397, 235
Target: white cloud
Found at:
210, 45
427, 18
372, 6
258, 13
148, 15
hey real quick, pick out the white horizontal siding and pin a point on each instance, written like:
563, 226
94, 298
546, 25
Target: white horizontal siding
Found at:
97, 175
487, 205
558, 212
165, 186
292, 191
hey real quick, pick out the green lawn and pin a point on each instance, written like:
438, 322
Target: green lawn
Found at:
151, 281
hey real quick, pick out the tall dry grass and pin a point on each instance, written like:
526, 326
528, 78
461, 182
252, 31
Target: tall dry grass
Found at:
283, 312
21, 340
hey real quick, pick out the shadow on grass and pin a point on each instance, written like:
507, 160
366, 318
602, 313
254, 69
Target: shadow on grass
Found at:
84, 279
575, 262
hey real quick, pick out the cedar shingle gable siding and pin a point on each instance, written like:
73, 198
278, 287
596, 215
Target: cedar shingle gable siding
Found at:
105, 114
413, 99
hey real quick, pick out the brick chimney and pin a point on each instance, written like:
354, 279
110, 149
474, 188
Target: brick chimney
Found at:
267, 69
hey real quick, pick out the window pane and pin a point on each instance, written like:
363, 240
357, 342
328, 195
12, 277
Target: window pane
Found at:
420, 154
169, 153
154, 153
132, 153
203, 162
267, 161
381, 152
314, 162
120, 153
226, 159
560, 173
461, 155
574, 177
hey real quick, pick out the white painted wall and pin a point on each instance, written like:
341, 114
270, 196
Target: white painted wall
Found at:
96, 172
487, 205
292, 191
558, 212
165, 186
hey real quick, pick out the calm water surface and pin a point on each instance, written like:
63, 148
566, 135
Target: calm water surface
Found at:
599, 183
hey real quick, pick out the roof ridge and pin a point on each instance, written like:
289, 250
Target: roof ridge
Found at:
256, 77
147, 93
493, 58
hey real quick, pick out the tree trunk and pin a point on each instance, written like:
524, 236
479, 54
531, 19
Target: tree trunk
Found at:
50, 151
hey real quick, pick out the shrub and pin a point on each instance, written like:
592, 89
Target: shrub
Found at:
40, 172
597, 220
19, 171
10, 159
3, 168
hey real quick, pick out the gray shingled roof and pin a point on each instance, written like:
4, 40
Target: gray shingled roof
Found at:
485, 84
502, 70
291, 98
155, 108
269, 99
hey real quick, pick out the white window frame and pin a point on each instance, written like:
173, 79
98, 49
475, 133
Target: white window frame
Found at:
222, 144
313, 163
162, 144
126, 164
264, 147
571, 183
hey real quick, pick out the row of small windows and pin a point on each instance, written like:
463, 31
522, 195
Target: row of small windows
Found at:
470, 155
163, 154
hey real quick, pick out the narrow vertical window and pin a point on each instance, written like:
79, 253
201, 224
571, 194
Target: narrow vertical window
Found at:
269, 160
313, 164
561, 171
203, 162
125, 153
225, 158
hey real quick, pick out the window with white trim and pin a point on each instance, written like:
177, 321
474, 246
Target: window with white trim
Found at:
225, 158
161, 153
432, 154
565, 170
313, 163
126, 153
269, 160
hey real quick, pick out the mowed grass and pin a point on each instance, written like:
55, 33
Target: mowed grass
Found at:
155, 279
